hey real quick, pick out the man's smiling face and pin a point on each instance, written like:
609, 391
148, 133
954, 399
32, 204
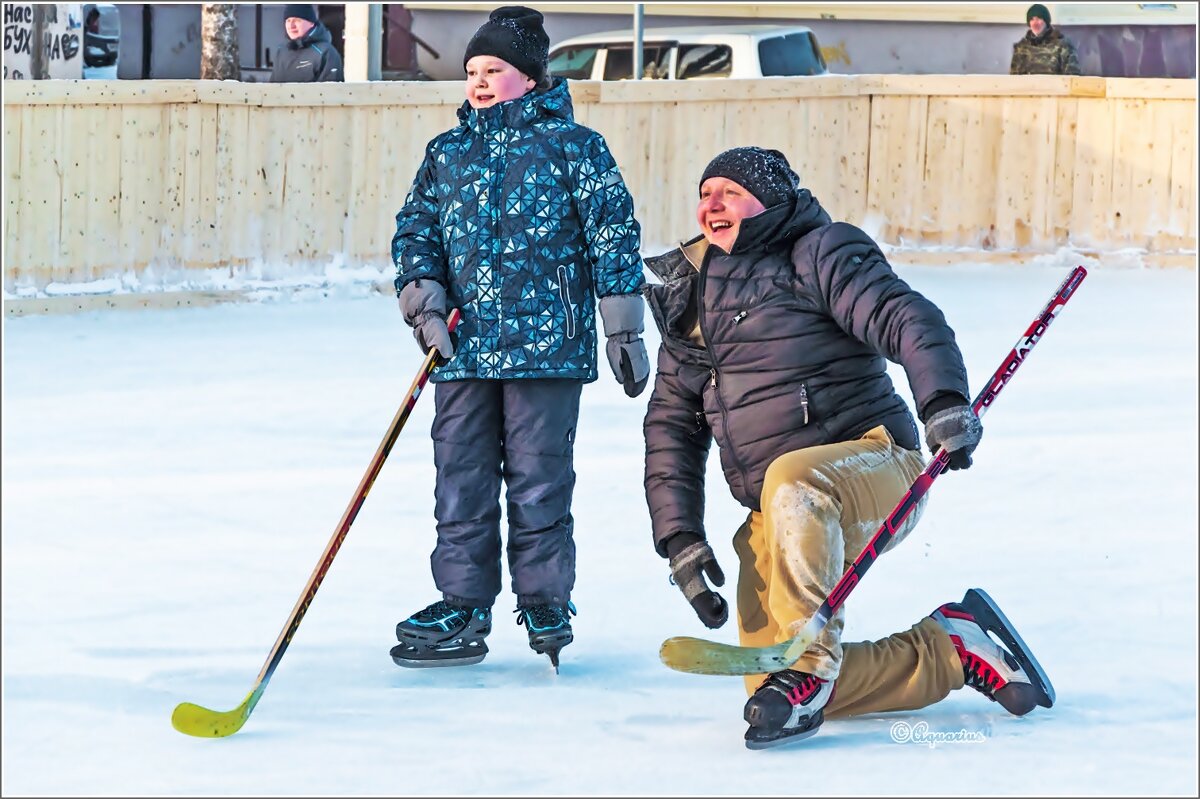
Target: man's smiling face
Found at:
723, 205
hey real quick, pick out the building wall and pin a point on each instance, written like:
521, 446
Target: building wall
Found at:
865, 46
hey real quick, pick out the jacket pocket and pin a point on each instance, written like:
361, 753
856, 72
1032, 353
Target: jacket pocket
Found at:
564, 294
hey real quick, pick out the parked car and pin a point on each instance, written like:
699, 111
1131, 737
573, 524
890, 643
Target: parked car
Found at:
101, 40
728, 51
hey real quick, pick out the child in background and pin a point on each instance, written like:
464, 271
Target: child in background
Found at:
518, 217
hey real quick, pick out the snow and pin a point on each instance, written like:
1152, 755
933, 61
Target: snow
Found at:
172, 476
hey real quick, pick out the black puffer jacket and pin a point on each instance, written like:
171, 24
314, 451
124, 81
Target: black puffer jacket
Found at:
309, 59
797, 322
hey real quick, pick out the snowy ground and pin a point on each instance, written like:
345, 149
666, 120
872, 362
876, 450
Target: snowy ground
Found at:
171, 477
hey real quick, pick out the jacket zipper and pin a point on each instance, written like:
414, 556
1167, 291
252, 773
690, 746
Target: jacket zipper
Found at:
804, 401
566, 300
716, 373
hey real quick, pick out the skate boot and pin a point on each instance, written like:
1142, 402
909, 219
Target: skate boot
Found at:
442, 635
1011, 677
788, 706
549, 628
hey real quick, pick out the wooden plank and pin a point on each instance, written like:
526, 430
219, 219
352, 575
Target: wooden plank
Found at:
231, 174
981, 85
144, 142
13, 184
98, 92
273, 124
41, 191
1151, 88
74, 239
706, 91
172, 246
1063, 186
208, 247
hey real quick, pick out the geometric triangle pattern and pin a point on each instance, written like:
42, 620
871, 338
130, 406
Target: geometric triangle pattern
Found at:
522, 214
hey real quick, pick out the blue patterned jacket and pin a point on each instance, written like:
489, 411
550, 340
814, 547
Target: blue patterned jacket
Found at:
523, 216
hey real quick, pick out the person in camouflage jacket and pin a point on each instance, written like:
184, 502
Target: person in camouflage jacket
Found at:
520, 219
1043, 50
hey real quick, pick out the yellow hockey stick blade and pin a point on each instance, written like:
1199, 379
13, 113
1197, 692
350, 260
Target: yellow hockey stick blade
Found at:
204, 723
698, 656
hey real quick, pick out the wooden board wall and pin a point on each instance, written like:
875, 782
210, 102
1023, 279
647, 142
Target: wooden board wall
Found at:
110, 178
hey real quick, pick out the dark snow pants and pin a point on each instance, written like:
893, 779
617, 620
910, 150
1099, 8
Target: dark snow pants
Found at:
521, 431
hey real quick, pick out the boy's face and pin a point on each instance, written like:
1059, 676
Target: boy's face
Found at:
1037, 25
492, 80
723, 206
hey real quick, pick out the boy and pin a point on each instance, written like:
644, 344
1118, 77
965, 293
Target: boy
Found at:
518, 217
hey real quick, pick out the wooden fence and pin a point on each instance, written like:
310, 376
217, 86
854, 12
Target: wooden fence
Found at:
103, 178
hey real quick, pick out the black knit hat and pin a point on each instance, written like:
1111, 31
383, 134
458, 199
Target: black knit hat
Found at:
1038, 10
764, 173
301, 11
515, 34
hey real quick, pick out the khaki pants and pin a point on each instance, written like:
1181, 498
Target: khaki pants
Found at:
821, 506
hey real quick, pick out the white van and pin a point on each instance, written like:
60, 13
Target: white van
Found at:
728, 51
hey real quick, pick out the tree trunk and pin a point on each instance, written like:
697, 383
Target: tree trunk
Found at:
219, 42
39, 64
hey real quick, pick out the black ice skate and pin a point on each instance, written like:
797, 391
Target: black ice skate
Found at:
549, 628
788, 706
442, 635
1011, 677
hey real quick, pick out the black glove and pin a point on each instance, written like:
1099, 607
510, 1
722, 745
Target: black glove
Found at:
692, 558
952, 424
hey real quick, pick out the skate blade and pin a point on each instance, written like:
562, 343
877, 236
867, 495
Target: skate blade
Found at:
409, 663
417, 658
991, 618
770, 743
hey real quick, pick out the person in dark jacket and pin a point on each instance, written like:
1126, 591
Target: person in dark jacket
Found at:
309, 55
776, 323
519, 218
1043, 50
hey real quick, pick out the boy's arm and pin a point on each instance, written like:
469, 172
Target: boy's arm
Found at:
606, 210
417, 246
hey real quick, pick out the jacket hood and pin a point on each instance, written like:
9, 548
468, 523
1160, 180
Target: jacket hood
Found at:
318, 35
782, 224
551, 103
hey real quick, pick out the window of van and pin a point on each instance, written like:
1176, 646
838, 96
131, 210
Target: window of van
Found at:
574, 63
794, 54
704, 61
656, 61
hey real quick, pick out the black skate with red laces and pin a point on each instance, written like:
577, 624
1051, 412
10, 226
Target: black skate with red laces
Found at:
788, 706
1009, 674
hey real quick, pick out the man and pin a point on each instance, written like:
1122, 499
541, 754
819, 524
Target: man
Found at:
309, 55
775, 324
1043, 50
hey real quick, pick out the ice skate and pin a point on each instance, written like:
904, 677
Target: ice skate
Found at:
442, 635
549, 628
1010, 676
788, 706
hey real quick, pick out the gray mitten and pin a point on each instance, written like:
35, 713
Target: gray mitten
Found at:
956, 428
423, 303
622, 316
691, 559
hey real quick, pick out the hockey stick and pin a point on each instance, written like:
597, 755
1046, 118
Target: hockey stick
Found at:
699, 656
204, 723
